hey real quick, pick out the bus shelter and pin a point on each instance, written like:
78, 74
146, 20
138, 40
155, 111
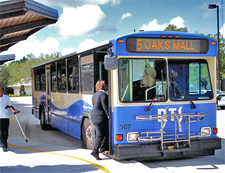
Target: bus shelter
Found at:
19, 19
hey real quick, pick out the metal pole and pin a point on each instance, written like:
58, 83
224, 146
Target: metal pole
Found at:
218, 47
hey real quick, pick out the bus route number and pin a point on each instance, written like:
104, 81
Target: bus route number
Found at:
125, 126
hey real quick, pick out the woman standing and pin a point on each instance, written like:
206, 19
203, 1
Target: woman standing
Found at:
99, 117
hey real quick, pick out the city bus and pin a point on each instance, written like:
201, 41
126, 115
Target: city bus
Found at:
161, 95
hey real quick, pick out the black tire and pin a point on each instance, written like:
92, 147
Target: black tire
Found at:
87, 135
222, 107
43, 124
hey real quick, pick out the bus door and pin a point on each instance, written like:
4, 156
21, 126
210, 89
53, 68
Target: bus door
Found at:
48, 93
100, 72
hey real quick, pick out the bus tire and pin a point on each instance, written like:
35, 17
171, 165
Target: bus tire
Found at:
222, 107
87, 137
43, 124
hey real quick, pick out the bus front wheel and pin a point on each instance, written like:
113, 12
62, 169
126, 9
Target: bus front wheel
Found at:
87, 135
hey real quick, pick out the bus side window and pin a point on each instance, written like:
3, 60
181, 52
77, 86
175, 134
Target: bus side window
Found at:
43, 80
53, 77
87, 74
73, 74
40, 81
61, 68
37, 81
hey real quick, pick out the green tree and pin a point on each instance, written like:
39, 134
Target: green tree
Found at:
4, 77
221, 45
221, 52
20, 71
172, 27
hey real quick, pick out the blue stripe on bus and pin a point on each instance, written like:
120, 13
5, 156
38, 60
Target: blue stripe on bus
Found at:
74, 113
127, 115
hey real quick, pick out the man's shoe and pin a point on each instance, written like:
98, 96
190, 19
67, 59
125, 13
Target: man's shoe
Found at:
96, 156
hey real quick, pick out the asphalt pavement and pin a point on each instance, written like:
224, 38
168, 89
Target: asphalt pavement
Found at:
51, 150
55, 151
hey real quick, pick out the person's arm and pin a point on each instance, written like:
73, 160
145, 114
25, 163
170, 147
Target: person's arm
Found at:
14, 110
12, 107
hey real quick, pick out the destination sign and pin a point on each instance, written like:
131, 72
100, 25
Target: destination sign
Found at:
166, 45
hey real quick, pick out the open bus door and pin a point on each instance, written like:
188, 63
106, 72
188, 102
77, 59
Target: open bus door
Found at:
100, 73
104, 74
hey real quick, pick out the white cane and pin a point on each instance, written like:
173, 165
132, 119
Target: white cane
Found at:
18, 123
21, 128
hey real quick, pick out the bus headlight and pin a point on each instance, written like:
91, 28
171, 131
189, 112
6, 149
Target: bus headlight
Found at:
206, 131
132, 137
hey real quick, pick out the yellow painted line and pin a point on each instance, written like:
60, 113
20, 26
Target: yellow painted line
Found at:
12, 120
87, 161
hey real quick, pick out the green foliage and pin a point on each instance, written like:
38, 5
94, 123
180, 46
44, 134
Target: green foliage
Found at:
222, 58
20, 71
221, 52
174, 28
4, 77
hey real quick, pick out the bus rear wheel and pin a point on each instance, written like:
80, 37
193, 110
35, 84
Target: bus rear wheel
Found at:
87, 135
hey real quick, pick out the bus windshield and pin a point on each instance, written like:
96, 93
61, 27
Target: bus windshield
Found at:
146, 80
189, 79
142, 80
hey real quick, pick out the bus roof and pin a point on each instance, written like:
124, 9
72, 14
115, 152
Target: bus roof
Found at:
159, 33
103, 47
149, 34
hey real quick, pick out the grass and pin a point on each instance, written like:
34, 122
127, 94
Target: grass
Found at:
12, 95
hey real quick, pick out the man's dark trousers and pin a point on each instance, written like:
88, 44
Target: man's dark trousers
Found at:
4, 131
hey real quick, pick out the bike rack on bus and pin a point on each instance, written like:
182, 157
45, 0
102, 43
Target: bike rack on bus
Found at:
182, 141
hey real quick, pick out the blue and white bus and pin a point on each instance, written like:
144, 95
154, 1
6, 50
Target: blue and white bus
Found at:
162, 94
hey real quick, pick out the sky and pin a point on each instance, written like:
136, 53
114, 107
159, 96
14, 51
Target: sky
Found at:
84, 24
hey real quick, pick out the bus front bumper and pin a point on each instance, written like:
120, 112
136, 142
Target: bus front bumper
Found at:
152, 151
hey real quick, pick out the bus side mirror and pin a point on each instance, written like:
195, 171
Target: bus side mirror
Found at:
223, 84
111, 62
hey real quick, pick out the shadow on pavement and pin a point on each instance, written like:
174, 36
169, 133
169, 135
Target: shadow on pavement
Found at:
201, 163
54, 168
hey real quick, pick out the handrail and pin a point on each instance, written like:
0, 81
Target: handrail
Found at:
158, 84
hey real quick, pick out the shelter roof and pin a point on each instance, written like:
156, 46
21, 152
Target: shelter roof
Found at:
21, 18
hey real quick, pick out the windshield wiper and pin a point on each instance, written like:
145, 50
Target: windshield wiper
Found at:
173, 82
150, 106
193, 106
